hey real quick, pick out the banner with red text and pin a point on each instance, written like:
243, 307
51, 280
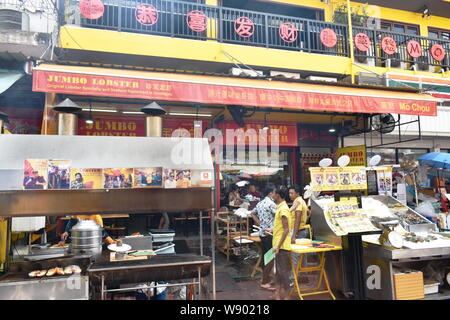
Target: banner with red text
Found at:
251, 93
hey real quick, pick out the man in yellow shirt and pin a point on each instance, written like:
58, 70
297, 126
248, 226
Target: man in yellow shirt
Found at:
94, 217
282, 244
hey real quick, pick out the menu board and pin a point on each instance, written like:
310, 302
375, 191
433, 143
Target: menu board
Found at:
337, 178
345, 217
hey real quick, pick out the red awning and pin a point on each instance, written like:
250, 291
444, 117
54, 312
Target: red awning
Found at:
105, 82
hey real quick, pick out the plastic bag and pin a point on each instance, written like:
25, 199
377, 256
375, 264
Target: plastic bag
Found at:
426, 209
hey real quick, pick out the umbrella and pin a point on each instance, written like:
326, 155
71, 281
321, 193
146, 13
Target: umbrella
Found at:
437, 160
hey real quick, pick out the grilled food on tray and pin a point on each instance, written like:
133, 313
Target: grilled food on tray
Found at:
51, 272
60, 271
37, 273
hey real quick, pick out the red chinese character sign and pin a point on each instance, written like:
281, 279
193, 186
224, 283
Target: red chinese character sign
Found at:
414, 49
197, 21
328, 38
389, 45
244, 27
362, 42
437, 52
288, 32
146, 14
92, 9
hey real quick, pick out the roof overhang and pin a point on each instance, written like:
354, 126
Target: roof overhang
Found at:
133, 84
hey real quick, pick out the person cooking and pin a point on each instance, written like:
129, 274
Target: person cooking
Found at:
95, 217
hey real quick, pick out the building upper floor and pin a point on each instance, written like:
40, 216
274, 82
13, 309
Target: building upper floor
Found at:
308, 36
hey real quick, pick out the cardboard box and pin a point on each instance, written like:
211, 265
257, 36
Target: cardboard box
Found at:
408, 285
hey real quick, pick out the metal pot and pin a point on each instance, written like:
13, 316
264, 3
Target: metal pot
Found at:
87, 238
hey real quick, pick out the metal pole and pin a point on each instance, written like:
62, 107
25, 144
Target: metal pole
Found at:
102, 289
350, 40
199, 283
213, 241
201, 233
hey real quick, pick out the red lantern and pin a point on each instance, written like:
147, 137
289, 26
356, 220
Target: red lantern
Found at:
244, 27
288, 32
389, 45
92, 9
437, 52
197, 21
414, 49
362, 42
146, 14
328, 37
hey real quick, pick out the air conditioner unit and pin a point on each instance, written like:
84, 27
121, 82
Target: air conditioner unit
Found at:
289, 75
368, 78
325, 79
246, 72
422, 64
363, 57
394, 63
14, 20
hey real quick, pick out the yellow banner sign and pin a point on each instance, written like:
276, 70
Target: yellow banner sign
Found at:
357, 155
336, 178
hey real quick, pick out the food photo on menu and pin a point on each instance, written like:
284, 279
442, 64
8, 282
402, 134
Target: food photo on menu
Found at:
148, 177
332, 179
318, 179
117, 178
345, 179
35, 175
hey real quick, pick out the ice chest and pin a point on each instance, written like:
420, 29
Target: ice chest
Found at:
408, 285
162, 235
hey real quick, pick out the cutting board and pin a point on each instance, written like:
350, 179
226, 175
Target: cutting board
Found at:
112, 257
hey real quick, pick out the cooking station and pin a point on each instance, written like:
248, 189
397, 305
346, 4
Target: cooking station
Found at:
102, 272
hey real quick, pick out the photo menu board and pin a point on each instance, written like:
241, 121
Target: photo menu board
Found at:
337, 178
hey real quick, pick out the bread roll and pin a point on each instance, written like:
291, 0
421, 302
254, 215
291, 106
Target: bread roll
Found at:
41, 273
60, 271
51, 272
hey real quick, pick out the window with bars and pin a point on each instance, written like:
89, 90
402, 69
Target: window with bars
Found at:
400, 27
439, 34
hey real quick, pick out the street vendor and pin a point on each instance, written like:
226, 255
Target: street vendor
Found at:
299, 211
95, 217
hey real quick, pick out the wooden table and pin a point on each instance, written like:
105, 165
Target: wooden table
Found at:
257, 241
320, 267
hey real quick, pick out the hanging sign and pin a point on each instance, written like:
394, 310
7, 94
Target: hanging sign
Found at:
414, 49
244, 27
362, 42
357, 155
197, 21
389, 45
288, 32
328, 37
92, 9
336, 178
437, 52
146, 14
